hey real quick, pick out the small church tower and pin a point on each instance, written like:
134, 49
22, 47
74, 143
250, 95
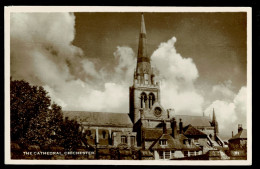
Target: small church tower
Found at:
144, 92
215, 124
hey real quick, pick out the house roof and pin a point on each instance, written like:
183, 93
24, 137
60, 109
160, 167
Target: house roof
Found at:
191, 131
240, 135
100, 118
197, 121
154, 134
182, 137
171, 143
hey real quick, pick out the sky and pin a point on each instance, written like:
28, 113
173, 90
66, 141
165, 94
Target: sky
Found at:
86, 60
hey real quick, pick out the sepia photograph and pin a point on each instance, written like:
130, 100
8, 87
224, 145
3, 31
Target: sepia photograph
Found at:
158, 86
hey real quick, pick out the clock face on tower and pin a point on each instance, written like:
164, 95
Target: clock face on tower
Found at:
157, 111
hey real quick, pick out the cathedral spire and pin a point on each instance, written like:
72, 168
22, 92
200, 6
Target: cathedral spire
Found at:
143, 74
142, 51
143, 25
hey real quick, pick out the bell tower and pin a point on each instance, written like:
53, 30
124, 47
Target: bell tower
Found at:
145, 91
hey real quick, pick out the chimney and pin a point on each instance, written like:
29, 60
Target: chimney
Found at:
180, 126
164, 127
232, 134
240, 127
174, 128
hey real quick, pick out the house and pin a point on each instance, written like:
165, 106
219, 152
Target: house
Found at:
238, 144
171, 146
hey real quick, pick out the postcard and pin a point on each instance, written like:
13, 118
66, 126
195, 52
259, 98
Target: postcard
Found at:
106, 85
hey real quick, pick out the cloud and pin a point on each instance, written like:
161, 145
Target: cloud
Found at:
223, 90
240, 102
126, 64
79, 96
230, 113
177, 75
42, 54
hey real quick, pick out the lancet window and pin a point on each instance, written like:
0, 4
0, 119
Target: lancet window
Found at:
151, 99
143, 100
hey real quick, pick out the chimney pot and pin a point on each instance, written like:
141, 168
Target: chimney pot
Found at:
174, 128
181, 127
240, 127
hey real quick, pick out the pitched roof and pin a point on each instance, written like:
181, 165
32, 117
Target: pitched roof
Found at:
171, 143
154, 134
181, 137
242, 134
100, 118
193, 120
191, 131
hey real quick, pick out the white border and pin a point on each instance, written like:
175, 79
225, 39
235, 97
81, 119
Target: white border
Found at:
9, 10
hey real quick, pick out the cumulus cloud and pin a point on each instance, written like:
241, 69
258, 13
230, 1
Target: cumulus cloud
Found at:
126, 59
42, 54
223, 90
230, 113
44, 36
177, 75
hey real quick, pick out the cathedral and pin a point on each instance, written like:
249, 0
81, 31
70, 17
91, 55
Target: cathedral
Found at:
158, 133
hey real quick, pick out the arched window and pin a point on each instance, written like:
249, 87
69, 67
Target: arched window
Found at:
151, 99
143, 100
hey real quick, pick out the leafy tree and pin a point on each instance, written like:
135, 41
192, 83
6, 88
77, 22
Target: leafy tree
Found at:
45, 129
34, 120
72, 134
26, 103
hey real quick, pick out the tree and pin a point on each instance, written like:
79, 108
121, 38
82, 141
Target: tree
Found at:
35, 121
45, 129
72, 134
26, 103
